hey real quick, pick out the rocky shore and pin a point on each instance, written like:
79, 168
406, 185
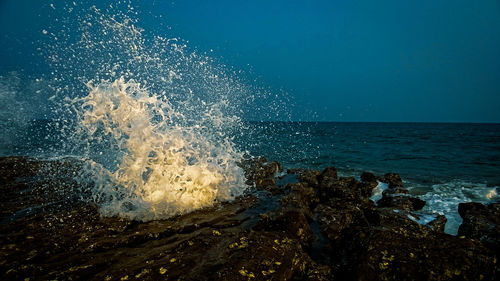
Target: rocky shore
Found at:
303, 225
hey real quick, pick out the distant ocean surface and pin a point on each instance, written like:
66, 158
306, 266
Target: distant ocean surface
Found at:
424, 153
444, 164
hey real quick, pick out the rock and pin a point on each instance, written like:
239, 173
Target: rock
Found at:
306, 176
401, 249
368, 177
480, 222
328, 173
339, 188
321, 228
260, 172
333, 222
401, 202
367, 187
438, 223
413, 254
293, 216
393, 180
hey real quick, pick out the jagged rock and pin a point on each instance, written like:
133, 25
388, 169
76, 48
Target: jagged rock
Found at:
293, 216
307, 176
438, 223
321, 228
368, 177
401, 249
368, 184
343, 188
401, 202
260, 172
480, 222
328, 173
334, 222
393, 180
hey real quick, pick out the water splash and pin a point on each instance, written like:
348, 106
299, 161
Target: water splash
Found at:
153, 121
163, 167
444, 199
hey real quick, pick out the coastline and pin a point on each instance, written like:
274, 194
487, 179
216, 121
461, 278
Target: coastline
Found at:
299, 225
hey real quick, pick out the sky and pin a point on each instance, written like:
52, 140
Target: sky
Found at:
403, 61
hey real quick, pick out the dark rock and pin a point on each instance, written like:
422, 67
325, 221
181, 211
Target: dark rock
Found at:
293, 216
260, 172
393, 180
401, 249
328, 173
341, 188
366, 188
401, 202
333, 222
480, 222
306, 176
368, 177
321, 228
318, 273
438, 223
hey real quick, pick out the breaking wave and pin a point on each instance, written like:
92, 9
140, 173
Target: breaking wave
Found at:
153, 120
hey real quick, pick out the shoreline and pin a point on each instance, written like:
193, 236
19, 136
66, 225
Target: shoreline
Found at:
304, 225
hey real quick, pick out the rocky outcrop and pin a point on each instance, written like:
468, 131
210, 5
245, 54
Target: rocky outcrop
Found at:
315, 226
481, 222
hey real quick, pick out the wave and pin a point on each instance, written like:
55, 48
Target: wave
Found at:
444, 199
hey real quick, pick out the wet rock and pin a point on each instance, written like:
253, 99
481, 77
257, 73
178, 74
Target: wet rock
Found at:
401, 202
396, 190
328, 173
341, 188
393, 180
368, 177
293, 216
333, 222
321, 228
401, 249
308, 176
318, 273
438, 223
409, 254
480, 222
368, 184
259, 171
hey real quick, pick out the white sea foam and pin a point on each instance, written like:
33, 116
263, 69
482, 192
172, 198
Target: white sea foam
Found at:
154, 122
377, 192
163, 167
444, 199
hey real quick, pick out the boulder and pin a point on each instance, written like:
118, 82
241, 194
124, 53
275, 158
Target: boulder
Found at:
401, 202
393, 180
438, 223
480, 222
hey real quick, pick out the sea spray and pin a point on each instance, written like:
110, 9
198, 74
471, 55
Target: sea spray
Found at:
153, 121
163, 166
156, 125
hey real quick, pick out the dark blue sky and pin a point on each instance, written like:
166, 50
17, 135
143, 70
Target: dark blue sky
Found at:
359, 60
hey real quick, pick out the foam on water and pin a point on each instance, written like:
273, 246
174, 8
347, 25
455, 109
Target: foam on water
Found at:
153, 121
377, 192
444, 199
163, 168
